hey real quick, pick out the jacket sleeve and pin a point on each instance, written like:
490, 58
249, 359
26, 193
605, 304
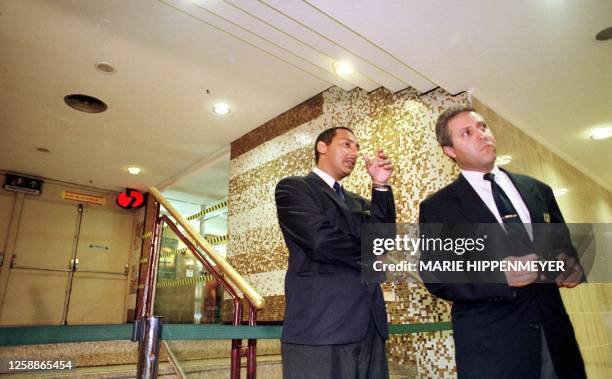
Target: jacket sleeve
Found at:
562, 234
559, 235
382, 207
302, 220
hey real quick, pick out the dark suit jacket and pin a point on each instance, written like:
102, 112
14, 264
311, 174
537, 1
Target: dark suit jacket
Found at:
326, 301
497, 328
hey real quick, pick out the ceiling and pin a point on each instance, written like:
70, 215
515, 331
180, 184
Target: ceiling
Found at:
535, 62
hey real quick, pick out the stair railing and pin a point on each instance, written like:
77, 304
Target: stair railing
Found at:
147, 327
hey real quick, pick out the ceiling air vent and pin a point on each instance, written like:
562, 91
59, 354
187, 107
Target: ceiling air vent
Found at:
604, 35
85, 103
105, 67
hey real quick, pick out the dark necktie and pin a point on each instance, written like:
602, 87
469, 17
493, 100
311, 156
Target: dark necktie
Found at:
513, 224
339, 191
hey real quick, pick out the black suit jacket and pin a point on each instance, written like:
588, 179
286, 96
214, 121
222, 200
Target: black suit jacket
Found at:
497, 328
326, 301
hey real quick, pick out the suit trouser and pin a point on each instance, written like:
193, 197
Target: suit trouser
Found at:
366, 359
547, 369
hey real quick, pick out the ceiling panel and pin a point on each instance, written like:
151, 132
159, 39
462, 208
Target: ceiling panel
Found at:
535, 62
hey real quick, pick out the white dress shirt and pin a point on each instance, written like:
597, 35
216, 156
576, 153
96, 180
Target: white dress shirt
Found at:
326, 177
483, 189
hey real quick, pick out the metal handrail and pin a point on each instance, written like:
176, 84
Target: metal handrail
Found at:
147, 327
211, 270
232, 275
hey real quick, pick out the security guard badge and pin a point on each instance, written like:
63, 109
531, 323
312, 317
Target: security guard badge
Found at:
546, 218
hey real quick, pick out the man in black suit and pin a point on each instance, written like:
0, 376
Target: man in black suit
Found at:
517, 328
335, 325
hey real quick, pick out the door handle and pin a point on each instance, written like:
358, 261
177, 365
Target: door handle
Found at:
92, 246
74, 264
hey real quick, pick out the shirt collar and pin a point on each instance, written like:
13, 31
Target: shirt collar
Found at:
325, 176
477, 176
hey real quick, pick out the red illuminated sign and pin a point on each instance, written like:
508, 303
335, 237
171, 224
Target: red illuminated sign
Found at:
130, 199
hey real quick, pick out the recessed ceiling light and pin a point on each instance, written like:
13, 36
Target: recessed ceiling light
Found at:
105, 67
559, 191
134, 170
84, 103
343, 68
604, 34
221, 108
601, 133
43, 150
503, 160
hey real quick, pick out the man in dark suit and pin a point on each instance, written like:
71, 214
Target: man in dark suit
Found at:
517, 328
335, 325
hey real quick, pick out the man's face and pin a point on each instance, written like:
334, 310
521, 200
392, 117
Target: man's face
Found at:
473, 143
339, 157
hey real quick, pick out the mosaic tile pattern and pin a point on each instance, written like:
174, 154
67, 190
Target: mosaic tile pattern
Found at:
404, 311
402, 124
264, 243
302, 137
256, 186
270, 283
431, 353
261, 216
275, 306
399, 123
435, 358
298, 115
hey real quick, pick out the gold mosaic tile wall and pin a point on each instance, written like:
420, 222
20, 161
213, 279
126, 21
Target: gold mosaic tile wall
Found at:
399, 123
402, 124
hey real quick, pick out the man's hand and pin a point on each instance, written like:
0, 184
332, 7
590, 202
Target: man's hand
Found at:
521, 278
572, 276
379, 168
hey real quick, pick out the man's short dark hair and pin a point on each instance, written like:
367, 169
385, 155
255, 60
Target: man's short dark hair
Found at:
442, 133
327, 136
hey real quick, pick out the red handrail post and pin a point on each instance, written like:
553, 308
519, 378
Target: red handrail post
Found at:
145, 311
252, 346
151, 270
236, 343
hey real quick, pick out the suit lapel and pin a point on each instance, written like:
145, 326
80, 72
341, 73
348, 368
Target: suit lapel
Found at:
471, 205
530, 196
534, 202
352, 202
327, 190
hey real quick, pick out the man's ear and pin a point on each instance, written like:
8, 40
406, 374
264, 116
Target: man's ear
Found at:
450, 151
321, 147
